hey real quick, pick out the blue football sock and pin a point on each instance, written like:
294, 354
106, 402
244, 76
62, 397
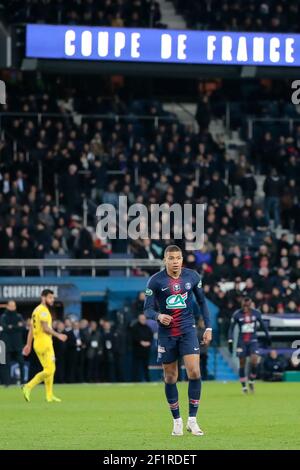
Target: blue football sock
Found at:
194, 396
172, 397
243, 378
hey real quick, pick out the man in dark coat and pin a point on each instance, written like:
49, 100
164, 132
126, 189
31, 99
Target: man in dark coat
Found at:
141, 345
12, 324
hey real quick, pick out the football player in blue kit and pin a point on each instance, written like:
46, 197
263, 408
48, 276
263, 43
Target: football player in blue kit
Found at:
247, 319
169, 300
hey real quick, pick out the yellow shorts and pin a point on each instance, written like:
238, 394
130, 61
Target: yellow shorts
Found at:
46, 356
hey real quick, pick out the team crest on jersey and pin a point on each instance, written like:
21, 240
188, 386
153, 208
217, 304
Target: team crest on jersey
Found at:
176, 301
176, 287
188, 285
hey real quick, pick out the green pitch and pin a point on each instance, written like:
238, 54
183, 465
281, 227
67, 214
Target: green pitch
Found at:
137, 417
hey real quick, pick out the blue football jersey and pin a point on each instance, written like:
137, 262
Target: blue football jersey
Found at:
174, 297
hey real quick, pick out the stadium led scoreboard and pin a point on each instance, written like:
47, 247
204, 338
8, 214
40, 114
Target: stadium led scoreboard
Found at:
159, 46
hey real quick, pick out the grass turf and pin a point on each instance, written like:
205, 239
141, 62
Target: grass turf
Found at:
136, 416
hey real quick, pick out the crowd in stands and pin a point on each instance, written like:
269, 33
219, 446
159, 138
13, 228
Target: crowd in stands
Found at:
276, 16
52, 167
116, 13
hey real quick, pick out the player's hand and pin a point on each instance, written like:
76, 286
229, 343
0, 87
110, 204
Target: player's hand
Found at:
164, 319
207, 336
26, 350
230, 346
62, 337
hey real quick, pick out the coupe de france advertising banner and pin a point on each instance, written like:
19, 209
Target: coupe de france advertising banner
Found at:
161, 46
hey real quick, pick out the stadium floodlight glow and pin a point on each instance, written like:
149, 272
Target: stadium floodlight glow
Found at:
161, 46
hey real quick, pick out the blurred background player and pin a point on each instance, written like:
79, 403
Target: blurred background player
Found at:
169, 300
247, 319
41, 333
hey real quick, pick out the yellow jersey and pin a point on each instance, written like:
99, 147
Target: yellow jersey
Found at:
41, 314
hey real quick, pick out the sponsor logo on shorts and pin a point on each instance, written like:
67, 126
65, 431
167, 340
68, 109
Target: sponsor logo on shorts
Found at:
161, 349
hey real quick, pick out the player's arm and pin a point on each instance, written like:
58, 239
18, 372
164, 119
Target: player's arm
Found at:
263, 327
28, 345
150, 310
200, 298
47, 329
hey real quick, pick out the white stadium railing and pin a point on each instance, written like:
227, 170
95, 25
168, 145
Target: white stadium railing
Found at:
63, 264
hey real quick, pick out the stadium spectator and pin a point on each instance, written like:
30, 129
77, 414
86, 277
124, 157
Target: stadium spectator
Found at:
273, 191
273, 367
70, 351
108, 363
60, 353
141, 344
12, 327
94, 352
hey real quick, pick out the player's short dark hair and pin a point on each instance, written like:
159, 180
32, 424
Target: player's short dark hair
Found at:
172, 248
246, 301
46, 292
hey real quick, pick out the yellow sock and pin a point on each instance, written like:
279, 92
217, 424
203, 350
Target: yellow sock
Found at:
37, 379
49, 386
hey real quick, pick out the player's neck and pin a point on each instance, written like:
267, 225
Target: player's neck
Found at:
173, 275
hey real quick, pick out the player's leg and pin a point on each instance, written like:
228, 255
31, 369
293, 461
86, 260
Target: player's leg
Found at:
253, 371
242, 373
50, 368
192, 365
168, 356
171, 391
37, 379
46, 358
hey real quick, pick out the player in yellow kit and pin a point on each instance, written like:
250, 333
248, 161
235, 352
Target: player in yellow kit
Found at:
41, 333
